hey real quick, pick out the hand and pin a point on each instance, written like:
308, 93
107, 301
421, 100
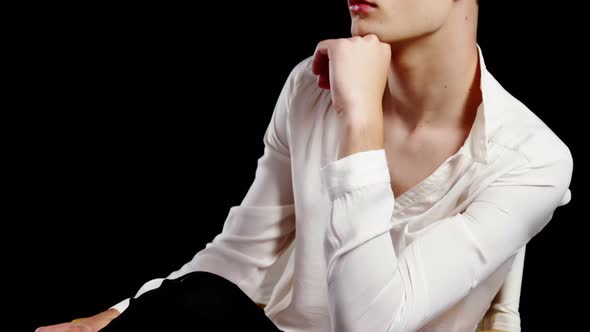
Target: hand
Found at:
67, 327
90, 324
355, 71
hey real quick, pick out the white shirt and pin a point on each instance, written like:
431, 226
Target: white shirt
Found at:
433, 259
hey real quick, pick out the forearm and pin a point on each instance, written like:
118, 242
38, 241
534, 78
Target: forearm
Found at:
98, 321
359, 137
408, 288
362, 207
503, 313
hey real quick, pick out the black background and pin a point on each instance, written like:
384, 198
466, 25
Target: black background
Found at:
137, 129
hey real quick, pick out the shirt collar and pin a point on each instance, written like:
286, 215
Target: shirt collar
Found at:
487, 116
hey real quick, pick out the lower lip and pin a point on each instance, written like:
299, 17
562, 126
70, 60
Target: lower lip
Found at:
360, 8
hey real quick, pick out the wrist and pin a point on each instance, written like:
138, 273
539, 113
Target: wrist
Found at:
359, 138
98, 321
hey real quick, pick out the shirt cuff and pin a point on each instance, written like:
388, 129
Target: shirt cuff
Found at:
508, 324
500, 321
121, 306
355, 171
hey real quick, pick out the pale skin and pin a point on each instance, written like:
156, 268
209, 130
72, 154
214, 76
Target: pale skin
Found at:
88, 324
406, 81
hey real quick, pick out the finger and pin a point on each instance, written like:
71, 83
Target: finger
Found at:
85, 328
371, 37
321, 57
56, 328
324, 81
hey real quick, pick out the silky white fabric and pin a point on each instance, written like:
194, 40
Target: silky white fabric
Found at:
437, 258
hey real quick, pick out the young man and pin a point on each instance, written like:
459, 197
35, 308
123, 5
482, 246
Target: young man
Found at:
404, 177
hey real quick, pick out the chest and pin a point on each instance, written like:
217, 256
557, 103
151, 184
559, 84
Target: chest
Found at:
413, 158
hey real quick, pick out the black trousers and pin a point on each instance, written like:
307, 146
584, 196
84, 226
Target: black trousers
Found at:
198, 301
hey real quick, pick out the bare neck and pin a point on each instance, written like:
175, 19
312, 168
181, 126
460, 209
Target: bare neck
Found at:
434, 80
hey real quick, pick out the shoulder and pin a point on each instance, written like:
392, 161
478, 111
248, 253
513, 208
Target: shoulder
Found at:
305, 100
302, 71
302, 81
537, 156
521, 130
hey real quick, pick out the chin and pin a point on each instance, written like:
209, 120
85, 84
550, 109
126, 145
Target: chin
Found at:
363, 31
391, 36
360, 28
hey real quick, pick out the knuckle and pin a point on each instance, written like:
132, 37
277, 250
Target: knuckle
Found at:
371, 37
340, 44
321, 44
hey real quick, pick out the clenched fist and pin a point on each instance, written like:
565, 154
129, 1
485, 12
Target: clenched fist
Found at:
355, 71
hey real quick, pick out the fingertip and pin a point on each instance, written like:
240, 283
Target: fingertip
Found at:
314, 70
320, 59
316, 64
323, 82
371, 36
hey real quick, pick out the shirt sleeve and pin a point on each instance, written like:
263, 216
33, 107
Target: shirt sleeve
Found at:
405, 290
503, 314
257, 231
